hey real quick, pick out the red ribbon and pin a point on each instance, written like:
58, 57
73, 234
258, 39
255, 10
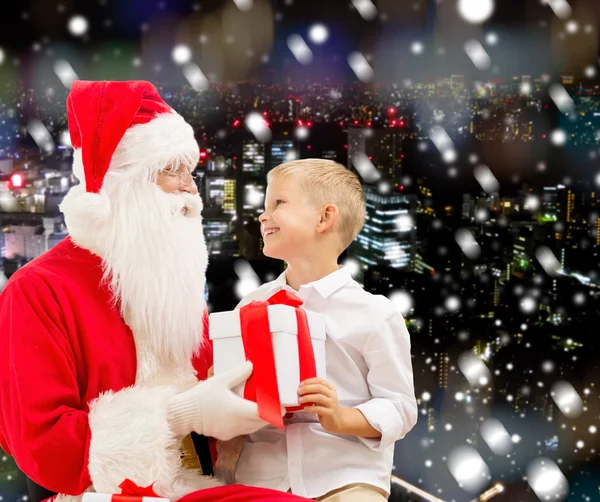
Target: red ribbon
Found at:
130, 489
261, 387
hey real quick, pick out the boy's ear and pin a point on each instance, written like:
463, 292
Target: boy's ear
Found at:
329, 215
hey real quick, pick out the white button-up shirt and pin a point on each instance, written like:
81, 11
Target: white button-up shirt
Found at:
369, 363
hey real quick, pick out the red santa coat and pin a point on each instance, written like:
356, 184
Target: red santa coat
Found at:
70, 413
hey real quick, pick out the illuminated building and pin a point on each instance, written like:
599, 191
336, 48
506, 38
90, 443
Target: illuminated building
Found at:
253, 202
253, 157
383, 146
389, 235
220, 192
522, 248
550, 206
443, 371
281, 151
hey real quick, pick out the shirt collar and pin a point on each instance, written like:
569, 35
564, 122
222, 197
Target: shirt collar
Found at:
325, 286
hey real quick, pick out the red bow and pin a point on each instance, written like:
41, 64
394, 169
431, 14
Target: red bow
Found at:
261, 387
129, 488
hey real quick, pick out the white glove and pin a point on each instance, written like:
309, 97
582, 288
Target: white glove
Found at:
213, 410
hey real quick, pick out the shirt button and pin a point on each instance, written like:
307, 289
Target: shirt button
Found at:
294, 463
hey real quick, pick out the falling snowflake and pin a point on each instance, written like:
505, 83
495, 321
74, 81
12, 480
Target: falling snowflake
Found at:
78, 26
474, 369
318, 33
404, 223
360, 66
547, 480
403, 301
2, 56
443, 142
486, 179
561, 98
532, 203
41, 135
590, 71
548, 261
244, 5
491, 38
494, 434
365, 167
579, 298
256, 124
254, 197
452, 303
248, 281
476, 11
528, 305
561, 8
467, 243
468, 468
567, 399
478, 54
366, 9
558, 137
353, 266
299, 49
417, 48
301, 133
548, 366
572, 27
65, 72
181, 54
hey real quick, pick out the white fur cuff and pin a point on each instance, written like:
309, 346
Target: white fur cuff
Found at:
131, 438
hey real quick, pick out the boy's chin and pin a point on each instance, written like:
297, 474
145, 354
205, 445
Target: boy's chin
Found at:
273, 252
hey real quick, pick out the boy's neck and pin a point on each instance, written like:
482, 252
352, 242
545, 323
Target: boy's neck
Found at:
298, 274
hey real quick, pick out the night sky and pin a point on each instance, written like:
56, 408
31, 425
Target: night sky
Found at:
532, 39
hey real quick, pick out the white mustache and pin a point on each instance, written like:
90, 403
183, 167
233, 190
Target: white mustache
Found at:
183, 200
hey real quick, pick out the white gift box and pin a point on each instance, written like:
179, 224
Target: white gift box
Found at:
228, 348
106, 497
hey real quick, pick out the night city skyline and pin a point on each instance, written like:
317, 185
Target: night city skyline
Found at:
481, 173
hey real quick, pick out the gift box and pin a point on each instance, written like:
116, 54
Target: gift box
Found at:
130, 492
106, 497
285, 343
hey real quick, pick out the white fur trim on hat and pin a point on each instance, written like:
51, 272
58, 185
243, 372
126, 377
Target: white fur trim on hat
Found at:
148, 148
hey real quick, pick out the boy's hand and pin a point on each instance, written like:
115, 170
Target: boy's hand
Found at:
324, 402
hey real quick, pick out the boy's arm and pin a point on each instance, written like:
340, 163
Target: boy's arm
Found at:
393, 409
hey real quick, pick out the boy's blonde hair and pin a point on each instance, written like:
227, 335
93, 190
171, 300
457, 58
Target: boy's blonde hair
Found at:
327, 182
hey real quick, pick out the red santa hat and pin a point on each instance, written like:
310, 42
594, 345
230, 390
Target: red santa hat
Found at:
126, 128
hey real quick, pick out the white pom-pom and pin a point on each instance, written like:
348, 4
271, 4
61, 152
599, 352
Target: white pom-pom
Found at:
84, 212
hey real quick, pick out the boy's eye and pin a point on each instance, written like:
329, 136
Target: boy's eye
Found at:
277, 202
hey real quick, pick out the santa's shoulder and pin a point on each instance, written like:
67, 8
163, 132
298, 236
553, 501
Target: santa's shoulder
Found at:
63, 264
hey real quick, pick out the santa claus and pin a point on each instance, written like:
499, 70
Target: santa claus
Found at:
101, 338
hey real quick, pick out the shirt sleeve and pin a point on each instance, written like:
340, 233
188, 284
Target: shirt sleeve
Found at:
393, 407
41, 419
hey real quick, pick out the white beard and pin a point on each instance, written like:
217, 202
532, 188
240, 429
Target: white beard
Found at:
154, 260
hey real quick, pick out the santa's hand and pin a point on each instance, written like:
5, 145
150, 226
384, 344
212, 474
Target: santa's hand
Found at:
212, 409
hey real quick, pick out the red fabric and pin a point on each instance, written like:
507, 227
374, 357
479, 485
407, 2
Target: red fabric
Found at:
98, 115
202, 363
240, 493
261, 387
129, 488
62, 344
